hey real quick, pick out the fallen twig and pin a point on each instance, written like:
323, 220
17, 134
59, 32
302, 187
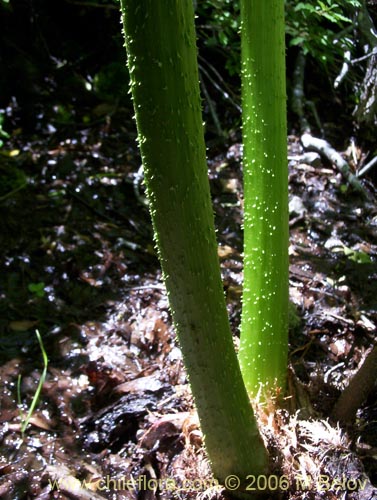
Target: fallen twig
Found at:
325, 149
367, 167
357, 390
344, 70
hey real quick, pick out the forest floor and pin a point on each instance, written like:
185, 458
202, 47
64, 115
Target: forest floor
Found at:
115, 417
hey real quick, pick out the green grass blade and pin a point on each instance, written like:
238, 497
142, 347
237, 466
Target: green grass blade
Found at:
25, 420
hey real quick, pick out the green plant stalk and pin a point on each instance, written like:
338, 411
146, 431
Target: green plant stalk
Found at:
160, 42
25, 420
14, 191
264, 324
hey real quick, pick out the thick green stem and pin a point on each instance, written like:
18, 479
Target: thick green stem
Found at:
264, 326
160, 42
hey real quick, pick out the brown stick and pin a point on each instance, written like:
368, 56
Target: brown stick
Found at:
357, 390
325, 149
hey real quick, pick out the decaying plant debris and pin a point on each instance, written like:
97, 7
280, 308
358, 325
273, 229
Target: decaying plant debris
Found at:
115, 404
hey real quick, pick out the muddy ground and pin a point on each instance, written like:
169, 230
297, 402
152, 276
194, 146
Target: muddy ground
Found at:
115, 418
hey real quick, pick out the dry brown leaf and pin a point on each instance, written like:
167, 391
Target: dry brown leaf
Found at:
41, 422
229, 185
165, 427
149, 383
22, 325
226, 252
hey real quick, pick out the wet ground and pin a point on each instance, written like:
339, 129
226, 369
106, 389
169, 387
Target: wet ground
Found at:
78, 265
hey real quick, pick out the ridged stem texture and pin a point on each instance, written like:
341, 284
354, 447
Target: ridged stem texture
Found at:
264, 324
162, 60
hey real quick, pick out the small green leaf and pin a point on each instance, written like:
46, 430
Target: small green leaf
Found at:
223, 38
360, 257
298, 40
37, 288
304, 6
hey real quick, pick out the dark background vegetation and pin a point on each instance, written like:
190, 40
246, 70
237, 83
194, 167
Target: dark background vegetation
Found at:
59, 60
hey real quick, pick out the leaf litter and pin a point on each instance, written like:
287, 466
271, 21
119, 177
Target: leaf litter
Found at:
116, 418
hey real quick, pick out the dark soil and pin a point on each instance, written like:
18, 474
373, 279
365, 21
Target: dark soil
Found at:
79, 265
